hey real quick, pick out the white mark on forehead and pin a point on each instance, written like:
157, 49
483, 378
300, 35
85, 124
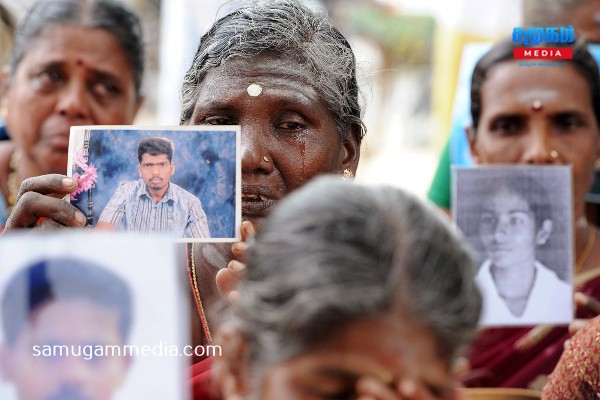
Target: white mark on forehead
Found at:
254, 89
538, 95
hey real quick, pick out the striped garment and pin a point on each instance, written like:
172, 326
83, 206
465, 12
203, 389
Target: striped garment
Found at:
179, 213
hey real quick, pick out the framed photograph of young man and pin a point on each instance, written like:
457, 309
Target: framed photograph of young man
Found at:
184, 182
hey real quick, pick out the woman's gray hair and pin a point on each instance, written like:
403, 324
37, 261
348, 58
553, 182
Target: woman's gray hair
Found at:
113, 16
7, 31
334, 252
283, 28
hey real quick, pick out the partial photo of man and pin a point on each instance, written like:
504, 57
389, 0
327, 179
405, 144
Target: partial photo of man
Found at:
154, 204
70, 306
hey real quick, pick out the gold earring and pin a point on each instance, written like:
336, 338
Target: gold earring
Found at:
553, 154
347, 174
597, 164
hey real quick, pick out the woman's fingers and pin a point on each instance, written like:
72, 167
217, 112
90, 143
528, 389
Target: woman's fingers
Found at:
588, 303
54, 185
411, 389
370, 388
40, 197
247, 230
33, 206
238, 249
228, 278
576, 325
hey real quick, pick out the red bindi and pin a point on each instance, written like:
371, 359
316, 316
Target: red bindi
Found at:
79, 62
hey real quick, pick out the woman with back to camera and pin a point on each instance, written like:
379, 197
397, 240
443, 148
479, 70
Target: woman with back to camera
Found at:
536, 115
351, 292
73, 62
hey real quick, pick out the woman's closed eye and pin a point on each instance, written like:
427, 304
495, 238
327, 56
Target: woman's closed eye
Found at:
218, 120
508, 125
345, 392
290, 125
567, 122
48, 79
104, 89
291, 122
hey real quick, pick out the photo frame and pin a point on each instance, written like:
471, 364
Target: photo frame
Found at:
519, 221
201, 184
158, 313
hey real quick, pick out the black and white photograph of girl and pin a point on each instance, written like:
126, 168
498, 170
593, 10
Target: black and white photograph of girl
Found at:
523, 237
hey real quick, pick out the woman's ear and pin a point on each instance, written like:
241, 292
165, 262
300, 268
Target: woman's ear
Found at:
544, 232
472, 139
351, 149
597, 151
232, 369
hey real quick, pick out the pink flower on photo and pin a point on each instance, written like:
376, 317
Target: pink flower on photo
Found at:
87, 178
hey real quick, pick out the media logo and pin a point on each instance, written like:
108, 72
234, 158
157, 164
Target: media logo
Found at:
535, 35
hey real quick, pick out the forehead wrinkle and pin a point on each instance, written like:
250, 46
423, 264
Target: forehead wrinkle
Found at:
281, 95
537, 93
269, 84
267, 73
90, 68
513, 83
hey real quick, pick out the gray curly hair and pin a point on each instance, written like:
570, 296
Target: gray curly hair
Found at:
334, 252
283, 28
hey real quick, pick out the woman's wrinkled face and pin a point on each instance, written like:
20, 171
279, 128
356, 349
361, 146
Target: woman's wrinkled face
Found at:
538, 115
384, 348
69, 75
289, 135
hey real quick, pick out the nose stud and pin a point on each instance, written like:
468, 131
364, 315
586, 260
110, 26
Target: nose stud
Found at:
265, 159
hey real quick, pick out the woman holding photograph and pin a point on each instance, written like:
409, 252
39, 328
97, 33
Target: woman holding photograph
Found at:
296, 99
515, 219
73, 62
536, 115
